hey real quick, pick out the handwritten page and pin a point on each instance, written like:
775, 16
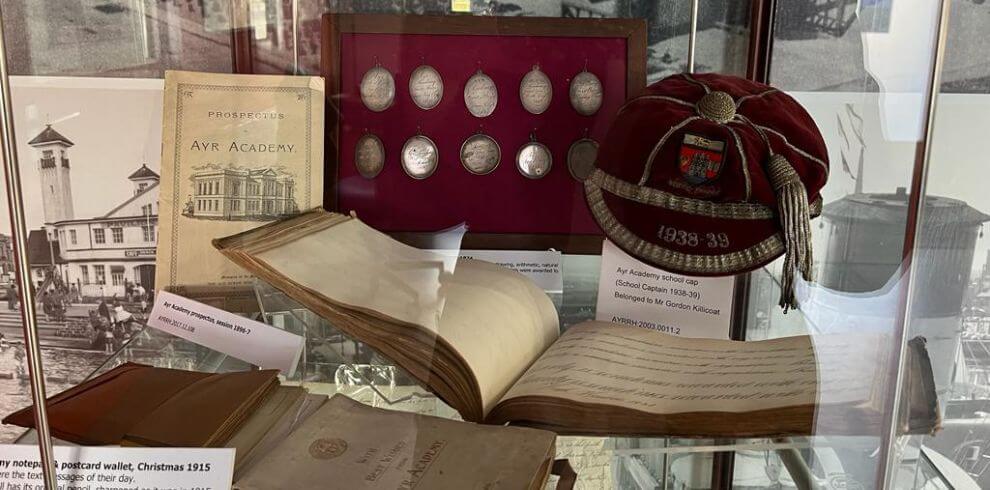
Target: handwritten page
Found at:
605, 363
591, 458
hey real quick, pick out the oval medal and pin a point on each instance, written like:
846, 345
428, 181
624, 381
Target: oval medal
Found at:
581, 158
535, 91
586, 93
480, 154
534, 160
419, 157
480, 95
377, 89
425, 87
369, 156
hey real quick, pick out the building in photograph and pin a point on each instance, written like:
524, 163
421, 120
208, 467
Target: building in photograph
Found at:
104, 254
43, 255
241, 194
6, 259
53, 167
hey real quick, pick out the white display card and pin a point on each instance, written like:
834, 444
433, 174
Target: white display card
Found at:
245, 339
92, 468
633, 293
541, 266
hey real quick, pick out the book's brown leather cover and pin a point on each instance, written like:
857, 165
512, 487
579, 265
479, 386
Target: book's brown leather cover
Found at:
147, 400
101, 411
205, 413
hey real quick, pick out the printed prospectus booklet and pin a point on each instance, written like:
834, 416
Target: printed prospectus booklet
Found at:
237, 151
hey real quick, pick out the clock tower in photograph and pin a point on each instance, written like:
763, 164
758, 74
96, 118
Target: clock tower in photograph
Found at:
52, 150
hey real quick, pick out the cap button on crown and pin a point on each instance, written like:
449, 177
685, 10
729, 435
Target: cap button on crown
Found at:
717, 106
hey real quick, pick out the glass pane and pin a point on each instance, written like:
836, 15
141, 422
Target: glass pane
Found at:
129, 38
87, 80
860, 69
723, 28
87, 103
950, 281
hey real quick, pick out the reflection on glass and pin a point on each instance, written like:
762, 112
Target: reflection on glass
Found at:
861, 69
951, 283
723, 37
129, 38
841, 46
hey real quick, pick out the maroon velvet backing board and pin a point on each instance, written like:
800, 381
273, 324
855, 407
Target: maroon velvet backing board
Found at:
503, 209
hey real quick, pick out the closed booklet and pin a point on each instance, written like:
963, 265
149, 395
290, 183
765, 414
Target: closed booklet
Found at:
134, 404
346, 444
271, 424
237, 151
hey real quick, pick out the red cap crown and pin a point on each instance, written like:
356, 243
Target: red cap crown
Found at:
693, 176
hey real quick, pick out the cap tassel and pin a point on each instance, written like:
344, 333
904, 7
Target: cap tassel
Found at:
795, 221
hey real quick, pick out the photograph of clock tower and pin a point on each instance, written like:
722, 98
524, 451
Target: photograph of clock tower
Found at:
100, 256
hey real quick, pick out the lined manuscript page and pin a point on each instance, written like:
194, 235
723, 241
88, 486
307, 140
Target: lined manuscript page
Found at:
606, 363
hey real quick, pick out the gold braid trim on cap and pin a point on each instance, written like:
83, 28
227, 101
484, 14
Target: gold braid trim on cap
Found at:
744, 163
717, 106
730, 263
794, 217
699, 207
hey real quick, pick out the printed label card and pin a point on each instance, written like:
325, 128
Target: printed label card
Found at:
633, 293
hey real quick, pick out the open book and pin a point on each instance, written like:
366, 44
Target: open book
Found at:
487, 341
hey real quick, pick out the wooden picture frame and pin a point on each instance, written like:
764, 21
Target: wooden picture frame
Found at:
334, 26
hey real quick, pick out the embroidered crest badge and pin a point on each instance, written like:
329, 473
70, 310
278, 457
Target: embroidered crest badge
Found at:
700, 159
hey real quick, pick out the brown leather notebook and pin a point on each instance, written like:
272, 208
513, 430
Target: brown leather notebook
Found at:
206, 413
152, 406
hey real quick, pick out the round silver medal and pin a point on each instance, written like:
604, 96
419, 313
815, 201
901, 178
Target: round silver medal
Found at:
419, 157
369, 156
480, 95
581, 158
480, 154
425, 87
535, 91
586, 93
377, 89
534, 160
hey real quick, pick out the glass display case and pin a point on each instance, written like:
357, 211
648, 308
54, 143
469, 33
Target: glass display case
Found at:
896, 90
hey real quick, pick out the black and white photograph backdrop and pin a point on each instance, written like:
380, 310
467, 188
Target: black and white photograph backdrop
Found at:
89, 151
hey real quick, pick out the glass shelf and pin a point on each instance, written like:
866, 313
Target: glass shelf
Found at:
333, 363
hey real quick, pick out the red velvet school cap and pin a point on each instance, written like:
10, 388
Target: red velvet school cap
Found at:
711, 175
